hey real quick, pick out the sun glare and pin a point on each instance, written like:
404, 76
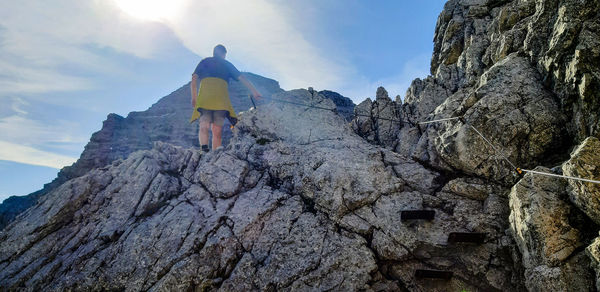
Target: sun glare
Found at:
155, 10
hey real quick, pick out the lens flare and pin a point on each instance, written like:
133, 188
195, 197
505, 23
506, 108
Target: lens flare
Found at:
152, 10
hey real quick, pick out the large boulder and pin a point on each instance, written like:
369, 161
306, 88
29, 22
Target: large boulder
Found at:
593, 252
549, 245
559, 37
585, 163
514, 112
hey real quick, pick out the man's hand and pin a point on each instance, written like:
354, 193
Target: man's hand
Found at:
248, 84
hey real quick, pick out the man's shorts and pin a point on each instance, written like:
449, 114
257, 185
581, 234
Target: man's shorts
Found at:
216, 117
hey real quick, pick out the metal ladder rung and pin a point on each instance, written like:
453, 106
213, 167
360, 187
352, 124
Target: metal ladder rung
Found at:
471, 237
417, 214
435, 274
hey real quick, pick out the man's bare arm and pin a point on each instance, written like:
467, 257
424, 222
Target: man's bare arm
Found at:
250, 87
194, 88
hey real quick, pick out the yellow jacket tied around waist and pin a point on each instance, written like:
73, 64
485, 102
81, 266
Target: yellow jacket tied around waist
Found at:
213, 95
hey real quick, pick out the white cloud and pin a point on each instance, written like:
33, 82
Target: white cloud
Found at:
29, 155
22, 80
262, 36
66, 24
39, 39
20, 130
45, 45
18, 104
257, 35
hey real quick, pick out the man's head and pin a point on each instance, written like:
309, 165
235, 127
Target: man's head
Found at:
219, 51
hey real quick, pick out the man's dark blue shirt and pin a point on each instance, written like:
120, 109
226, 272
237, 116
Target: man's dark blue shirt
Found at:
216, 67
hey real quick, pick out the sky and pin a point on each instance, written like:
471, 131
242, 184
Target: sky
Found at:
66, 64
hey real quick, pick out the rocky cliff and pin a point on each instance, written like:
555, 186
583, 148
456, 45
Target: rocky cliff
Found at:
297, 200
525, 76
300, 199
166, 121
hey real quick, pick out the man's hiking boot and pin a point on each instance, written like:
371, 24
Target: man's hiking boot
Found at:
205, 148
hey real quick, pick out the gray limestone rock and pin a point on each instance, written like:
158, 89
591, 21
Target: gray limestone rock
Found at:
593, 253
571, 276
550, 246
515, 113
166, 121
472, 188
585, 163
560, 37
378, 121
345, 106
300, 199
312, 206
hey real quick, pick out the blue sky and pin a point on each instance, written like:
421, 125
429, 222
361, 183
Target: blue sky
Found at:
66, 64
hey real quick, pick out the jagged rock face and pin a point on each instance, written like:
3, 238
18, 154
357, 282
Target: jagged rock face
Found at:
165, 121
551, 248
296, 201
148, 223
345, 106
560, 37
302, 200
15, 205
514, 68
422, 97
593, 252
525, 74
509, 107
512, 110
585, 163
378, 121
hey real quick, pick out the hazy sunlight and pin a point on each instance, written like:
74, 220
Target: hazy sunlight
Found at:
154, 10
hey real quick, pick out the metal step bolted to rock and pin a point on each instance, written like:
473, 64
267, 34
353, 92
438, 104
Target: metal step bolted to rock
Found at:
454, 237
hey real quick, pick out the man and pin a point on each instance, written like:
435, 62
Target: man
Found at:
212, 103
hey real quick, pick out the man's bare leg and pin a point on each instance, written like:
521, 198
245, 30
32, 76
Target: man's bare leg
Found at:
216, 136
203, 132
